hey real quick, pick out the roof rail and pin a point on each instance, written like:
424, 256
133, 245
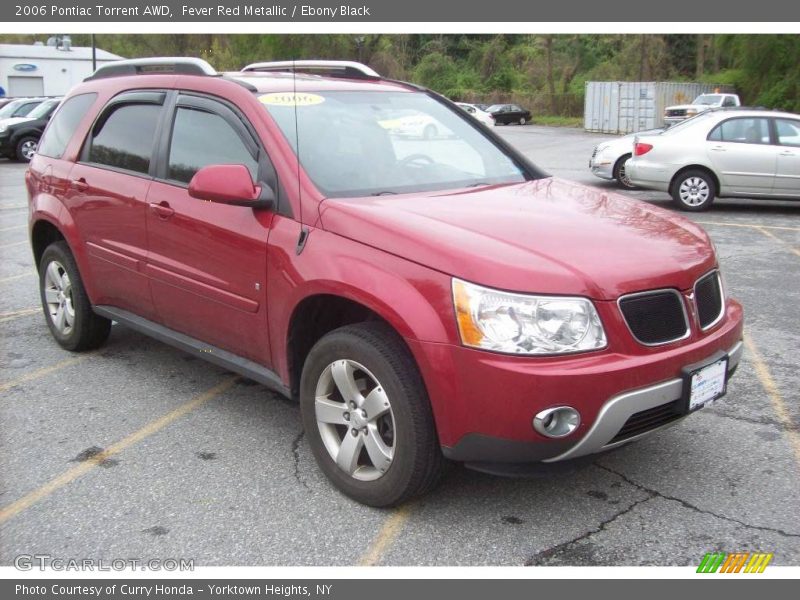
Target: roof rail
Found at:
174, 65
335, 68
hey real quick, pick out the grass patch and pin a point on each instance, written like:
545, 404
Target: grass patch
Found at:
557, 121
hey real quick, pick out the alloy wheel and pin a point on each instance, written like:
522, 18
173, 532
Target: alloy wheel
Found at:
58, 297
694, 191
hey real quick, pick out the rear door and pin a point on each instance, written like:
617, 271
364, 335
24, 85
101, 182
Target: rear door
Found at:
787, 178
107, 198
741, 151
207, 261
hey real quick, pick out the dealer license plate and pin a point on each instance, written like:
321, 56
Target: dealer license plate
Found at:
707, 384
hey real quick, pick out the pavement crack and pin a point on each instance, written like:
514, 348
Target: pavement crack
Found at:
296, 455
754, 421
655, 493
539, 557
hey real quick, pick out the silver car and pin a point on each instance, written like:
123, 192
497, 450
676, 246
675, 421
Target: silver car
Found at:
609, 158
721, 152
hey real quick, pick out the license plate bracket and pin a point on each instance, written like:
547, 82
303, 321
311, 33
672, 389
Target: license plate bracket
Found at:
704, 383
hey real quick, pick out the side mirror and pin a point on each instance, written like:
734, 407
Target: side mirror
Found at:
230, 184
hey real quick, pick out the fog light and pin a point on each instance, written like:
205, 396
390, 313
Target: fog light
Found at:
557, 422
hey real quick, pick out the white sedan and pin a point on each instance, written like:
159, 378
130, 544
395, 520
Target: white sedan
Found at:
721, 152
609, 158
480, 115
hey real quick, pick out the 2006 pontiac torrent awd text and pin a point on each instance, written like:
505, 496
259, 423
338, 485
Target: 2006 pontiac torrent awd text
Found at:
424, 297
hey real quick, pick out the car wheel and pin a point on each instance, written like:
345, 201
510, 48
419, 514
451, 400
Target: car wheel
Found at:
26, 148
429, 132
694, 190
65, 303
620, 175
367, 417
522, 121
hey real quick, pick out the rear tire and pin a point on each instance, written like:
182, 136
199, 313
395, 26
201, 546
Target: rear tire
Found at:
65, 304
382, 449
694, 190
522, 120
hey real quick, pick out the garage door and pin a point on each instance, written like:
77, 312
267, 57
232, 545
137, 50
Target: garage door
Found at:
25, 86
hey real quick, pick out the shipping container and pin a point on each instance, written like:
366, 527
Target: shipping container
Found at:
630, 106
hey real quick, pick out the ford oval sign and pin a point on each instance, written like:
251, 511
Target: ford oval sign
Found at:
24, 67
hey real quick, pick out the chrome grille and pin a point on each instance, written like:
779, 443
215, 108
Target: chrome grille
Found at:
708, 299
656, 317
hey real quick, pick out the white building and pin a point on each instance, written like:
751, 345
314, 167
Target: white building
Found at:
46, 70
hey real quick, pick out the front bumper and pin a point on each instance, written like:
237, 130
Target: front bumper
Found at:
484, 403
601, 165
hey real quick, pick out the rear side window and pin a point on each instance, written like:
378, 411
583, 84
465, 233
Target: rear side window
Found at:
124, 139
201, 138
788, 132
742, 131
63, 125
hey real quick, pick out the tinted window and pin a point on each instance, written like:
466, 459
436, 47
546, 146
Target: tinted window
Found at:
743, 131
24, 109
201, 138
728, 101
788, 132
64, 124
125, 138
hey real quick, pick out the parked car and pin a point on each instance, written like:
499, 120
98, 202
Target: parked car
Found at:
721, 152
609, 158
479, 114
681, 112
19, 137
421, 301
19, 107
505, 114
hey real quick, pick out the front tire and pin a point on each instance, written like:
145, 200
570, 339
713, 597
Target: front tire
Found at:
367, 417
66, 306
26, 148
620, 175
522, 120
694, 190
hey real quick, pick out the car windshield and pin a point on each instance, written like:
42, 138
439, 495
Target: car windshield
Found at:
707, 99
9, 109
354, 144
42, 110
494, 107
691, 121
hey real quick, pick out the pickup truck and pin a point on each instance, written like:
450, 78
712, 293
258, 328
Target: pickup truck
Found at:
681, 112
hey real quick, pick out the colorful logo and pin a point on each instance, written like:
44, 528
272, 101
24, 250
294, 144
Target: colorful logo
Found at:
734, 562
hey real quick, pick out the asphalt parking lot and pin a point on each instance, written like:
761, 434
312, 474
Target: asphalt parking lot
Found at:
141, 451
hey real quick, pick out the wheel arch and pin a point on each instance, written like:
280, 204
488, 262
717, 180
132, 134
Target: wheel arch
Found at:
695, 167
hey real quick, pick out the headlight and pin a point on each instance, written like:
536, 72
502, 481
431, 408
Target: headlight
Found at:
522, 324
691, 111
3, 128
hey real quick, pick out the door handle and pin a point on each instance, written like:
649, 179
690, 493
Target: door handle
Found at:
718, 149
162, 209
79, 185
786, 153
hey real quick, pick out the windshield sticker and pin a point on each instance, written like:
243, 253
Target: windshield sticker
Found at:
291, 99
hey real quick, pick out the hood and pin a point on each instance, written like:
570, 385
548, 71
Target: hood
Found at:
544, 236
13, 121
699, 107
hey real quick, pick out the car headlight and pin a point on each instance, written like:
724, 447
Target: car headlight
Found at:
525, 324
3, 128
691, 111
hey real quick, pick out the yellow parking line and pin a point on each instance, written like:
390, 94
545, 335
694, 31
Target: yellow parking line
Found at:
44, 371
14, 228
769, 234
386, 536
10, 316
14, 244
778, 403
785, 228
74, 473
15, 277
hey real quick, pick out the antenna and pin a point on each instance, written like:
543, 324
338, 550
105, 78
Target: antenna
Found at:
301, 241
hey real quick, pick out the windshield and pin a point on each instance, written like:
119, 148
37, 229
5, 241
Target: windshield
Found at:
9, 109
42, 110
689, 122
494, 107
355, 144
708, 99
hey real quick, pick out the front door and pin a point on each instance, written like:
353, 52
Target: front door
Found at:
740, 150
207, 261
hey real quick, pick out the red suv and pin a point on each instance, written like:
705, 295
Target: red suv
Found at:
425, 297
